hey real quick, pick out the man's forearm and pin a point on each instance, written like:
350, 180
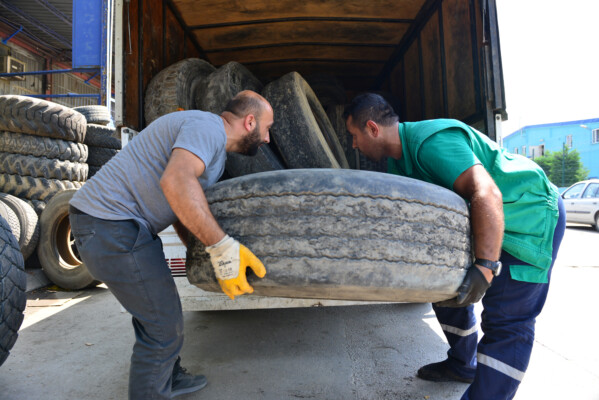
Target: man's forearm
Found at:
182, 232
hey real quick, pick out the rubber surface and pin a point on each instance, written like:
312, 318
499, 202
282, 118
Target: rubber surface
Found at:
64, 150
95, 114
42, 118
342, 234
102, 136
174, 87
335, 114
27, 187
28, 223
11, 218
56, 250
99, 156
13, 283
302, 131
42, 167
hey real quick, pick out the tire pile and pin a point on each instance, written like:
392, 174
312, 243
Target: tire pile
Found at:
100, 140
44, 153
303, 135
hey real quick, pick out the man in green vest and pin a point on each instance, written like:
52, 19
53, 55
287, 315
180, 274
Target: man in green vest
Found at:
518, 222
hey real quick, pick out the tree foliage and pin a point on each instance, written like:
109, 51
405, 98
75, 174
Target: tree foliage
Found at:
563, 168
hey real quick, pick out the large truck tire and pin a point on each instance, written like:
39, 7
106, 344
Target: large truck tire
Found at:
302, 131
42, 167
64, 150
28, 223
11, 219
174, 87
102, 136
224, 83
27, 187
95, 114
335, 114
342, 234
220, 87
13, 284
42, 118
328, 88
56, 250
98, 156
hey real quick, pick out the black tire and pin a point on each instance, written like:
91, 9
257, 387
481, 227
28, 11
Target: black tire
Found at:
42, 167
37, 205
264, 160
28, 223
11, 218
335, 114
26, 187
95, 114
174, 87
342, 234
302, 131
56, 249
93, 170
224, 83
99, 156
367, 164
101, 136
42, 118
13, 283
20, 143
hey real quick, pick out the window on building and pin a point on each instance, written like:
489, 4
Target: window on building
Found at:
569, 141
524, 151
515, 150
595, 136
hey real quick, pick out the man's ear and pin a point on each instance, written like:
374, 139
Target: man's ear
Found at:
372, 128
249, 122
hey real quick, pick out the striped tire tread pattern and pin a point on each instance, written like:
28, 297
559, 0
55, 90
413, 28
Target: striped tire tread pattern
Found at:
11, 218
42, 118
342, 234
13, 284
27, 187
94, 114
38, 146
42, 167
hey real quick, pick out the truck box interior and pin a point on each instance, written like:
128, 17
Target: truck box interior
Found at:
438, 58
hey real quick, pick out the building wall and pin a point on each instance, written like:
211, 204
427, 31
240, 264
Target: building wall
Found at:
532, 140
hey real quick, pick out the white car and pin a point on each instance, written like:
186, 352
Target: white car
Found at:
582, 203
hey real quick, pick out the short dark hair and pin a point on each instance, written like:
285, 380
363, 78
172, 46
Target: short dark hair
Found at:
370, 106
244, 104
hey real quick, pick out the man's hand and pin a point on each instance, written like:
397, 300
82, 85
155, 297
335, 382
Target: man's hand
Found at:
230, 259
471, 290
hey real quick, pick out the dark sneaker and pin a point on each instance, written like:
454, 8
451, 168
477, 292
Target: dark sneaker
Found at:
184, 382
441, 372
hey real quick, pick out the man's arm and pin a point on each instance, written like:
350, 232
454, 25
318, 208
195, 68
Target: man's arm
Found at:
182, 231
486, 213
183, 191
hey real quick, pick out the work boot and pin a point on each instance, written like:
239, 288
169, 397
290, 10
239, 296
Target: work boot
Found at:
441, 372
184, 382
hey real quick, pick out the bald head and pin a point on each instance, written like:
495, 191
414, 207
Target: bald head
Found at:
247, 102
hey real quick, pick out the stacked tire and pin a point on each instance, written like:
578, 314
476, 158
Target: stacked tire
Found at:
100, 138
12, 287
43, 154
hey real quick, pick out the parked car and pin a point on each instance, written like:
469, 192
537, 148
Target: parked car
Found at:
582, 203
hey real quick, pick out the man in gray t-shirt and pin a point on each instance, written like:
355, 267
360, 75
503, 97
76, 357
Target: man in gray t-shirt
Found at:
155, 181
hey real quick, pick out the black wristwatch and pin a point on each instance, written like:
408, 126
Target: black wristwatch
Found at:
494, 266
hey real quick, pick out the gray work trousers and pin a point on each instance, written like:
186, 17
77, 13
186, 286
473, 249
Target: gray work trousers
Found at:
130, 261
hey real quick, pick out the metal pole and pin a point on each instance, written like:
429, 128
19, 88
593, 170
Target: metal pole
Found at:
118, 67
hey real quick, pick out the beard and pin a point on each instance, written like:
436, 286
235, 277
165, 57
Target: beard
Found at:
251, 142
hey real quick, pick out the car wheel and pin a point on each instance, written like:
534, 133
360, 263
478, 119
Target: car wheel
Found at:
597, 222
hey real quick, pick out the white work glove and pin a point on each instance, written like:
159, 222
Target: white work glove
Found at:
230, 259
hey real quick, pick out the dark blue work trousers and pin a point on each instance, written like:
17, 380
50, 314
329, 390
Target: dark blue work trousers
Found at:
130, 261
498, 362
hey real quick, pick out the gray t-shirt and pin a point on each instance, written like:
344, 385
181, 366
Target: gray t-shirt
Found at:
128, 186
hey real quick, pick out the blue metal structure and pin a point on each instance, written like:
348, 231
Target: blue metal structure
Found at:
582, 135
91, 51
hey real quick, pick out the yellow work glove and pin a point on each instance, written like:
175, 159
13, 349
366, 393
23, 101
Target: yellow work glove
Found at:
230, 259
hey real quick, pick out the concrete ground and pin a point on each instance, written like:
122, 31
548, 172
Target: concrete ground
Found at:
76, 345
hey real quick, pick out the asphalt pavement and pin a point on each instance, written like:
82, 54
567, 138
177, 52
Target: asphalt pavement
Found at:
76, 345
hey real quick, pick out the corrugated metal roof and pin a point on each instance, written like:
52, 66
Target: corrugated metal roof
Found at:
49, 22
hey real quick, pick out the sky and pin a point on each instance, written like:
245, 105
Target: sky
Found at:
550, 56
